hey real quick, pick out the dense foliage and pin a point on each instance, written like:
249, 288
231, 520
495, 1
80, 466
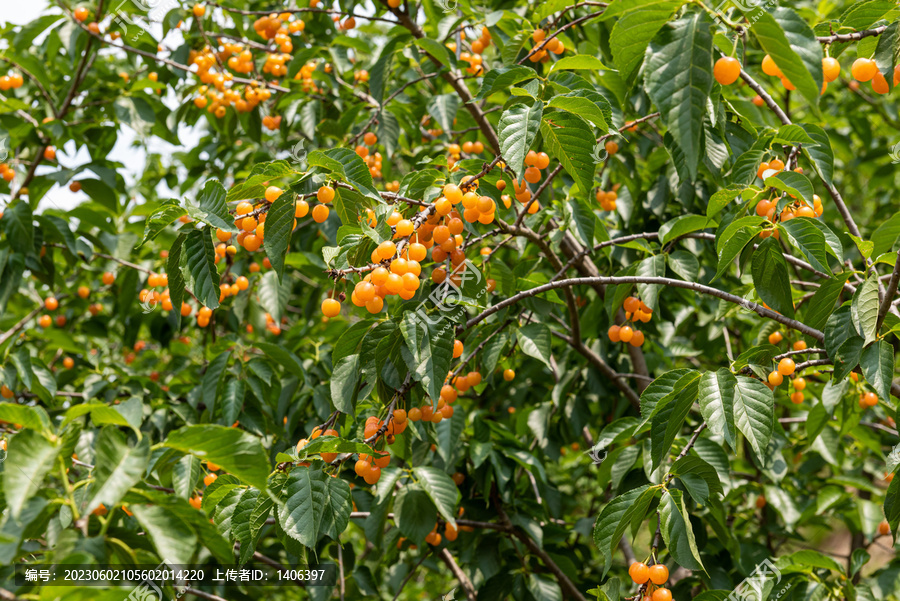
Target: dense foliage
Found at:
532, 301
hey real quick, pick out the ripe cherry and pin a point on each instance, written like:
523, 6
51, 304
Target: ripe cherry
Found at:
769, 67
831, 69
325, 194
331, 307
639, 572
727, 70
659, 574
786, 366
863, 69
614, 333
272, 193
661, 594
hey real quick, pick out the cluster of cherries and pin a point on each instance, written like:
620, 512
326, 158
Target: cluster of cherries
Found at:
635, 310
651, 579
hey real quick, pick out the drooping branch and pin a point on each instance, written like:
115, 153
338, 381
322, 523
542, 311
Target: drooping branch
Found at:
612, 280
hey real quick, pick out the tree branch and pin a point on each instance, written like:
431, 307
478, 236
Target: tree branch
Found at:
464, 581
889, 294
603, 280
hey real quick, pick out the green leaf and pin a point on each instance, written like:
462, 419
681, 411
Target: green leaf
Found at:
675, 525
877, 363
543, 588
568, 139
237, 452
27, 416
164, 216
678, 77
716, 395
771, 277
232, 401
255, 185
699, 477
502, 78
435, 49
435, 357
517, 128
212, 379
638, 22
795, 184
305, 495
822, 303
754, 413
865, 247
721, 198
865, 13
273, 294
864, 309
185, 474
814, 559
440, 488
792, 44
792, 134
843, 345
415, 513
173, 539
176, 277
859, 558
200, 255
615, 518
333, 444
345, 383
685, 264
681, 225
892, 505
651, 267
18, 223
444, 108
30, 457
211, 208
886, 234
348, 167
660, 388
821, 155
733, 242
337, 508
587, 104
579, 62
806, 236
117, 467
279, 227
669, 416
585, 219
534, 340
